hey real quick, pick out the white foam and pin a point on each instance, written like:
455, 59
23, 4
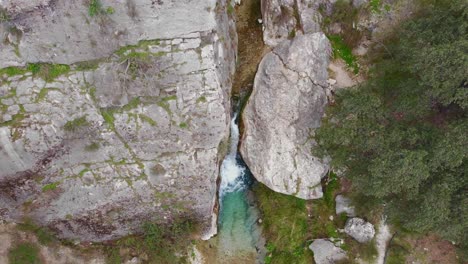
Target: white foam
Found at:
231, 172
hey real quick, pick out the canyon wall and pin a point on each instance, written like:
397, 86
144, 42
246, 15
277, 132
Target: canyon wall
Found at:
113, 113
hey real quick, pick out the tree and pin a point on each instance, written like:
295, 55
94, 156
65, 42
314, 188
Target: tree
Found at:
402, 135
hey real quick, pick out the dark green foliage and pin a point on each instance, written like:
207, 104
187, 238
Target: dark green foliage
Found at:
24, 253
402, 135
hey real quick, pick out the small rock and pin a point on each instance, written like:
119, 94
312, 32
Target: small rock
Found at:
331, 81
325, 252
331, 217
359, 229
359, 3
343, 205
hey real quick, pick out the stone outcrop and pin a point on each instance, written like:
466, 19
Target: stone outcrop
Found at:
343, 205
283, 19
285, 108
359, 229
325, 252
129, 129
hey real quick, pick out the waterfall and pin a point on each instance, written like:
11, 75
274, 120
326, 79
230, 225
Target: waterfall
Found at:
239, 233
232, 173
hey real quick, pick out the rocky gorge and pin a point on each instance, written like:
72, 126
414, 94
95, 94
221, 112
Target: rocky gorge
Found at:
116, 114
113, 114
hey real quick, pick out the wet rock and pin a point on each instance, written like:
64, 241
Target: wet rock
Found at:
325, 252
343, 205
285, 108
359, 229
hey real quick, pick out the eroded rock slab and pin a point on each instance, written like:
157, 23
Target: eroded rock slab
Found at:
359, 229
285, 108
325, 252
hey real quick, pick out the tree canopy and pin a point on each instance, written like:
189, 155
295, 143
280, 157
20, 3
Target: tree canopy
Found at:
401, 136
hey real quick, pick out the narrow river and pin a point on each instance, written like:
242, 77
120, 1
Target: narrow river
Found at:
239, 233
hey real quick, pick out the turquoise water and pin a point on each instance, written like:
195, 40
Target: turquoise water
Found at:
238, 232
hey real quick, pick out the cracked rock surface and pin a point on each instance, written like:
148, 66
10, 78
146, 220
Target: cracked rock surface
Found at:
285, 108
284, 18
132, 131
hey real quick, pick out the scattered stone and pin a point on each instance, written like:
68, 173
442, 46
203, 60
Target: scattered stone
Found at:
325, 252
359, 229
343, 205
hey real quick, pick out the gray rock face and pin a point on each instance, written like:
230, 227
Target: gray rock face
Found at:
325, 252
133, 135
359, 229
343, 205
64, 32
285, 108
285, 18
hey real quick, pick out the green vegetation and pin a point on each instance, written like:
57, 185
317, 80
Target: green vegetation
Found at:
201, 99
94, 8
110, 10
24, 253
147, 119
342, 51
285, 224
183, 125
402, 135
375, 5
13, 71
44, 235
4, 17
46, 71
50, 186
93, 146
76, 124
291, 224
161, 244
108, 115
230, 9
346, 16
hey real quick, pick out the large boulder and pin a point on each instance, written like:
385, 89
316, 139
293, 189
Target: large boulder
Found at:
282, 19
343, 205
359, 229
283, 111
325, 252
129, 131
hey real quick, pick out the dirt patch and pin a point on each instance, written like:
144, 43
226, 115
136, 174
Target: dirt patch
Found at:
251, 47
431, 250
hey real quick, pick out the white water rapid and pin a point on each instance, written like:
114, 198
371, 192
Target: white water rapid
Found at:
232, 173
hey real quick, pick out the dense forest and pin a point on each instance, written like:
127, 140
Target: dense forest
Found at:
401, 136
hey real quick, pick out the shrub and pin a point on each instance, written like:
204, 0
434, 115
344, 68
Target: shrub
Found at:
24, 253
